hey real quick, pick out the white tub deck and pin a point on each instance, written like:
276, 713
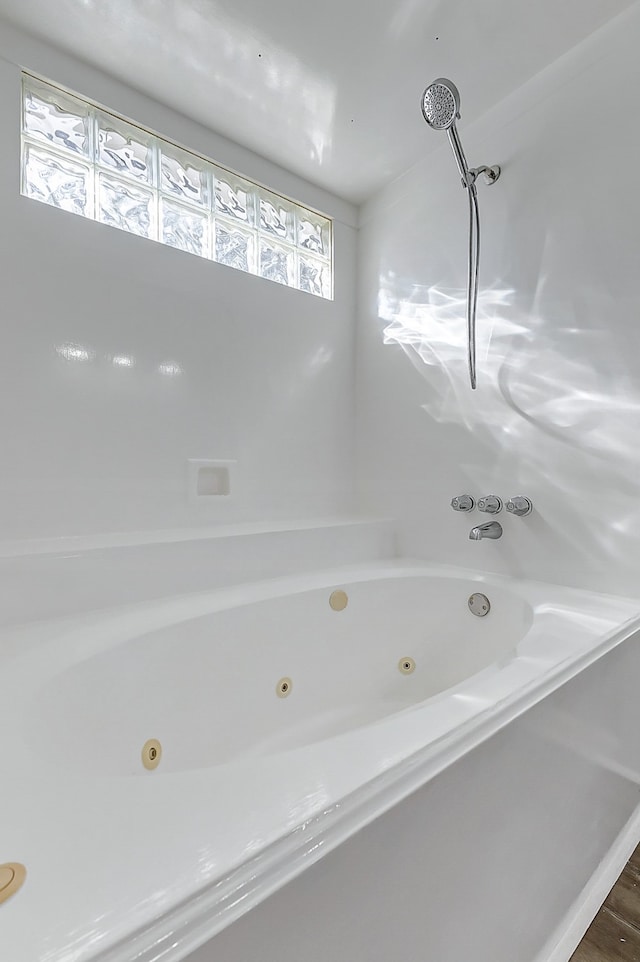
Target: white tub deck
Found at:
149, 866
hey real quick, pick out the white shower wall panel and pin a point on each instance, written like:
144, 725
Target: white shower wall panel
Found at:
223, 365
555, 416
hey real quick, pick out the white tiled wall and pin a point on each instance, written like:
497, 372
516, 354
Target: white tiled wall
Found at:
557, 412
226, 366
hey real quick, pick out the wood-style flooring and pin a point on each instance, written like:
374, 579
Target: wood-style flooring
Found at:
614, 934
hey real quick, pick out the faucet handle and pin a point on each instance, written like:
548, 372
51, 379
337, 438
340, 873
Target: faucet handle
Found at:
463, 502
520, 506
490, 503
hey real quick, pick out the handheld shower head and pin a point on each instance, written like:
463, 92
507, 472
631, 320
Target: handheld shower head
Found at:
441, 109
441, 104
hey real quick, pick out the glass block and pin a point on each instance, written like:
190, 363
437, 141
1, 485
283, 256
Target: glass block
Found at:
314, 276
234, 247
276, 216
276, 263
185, 228
125, 206
234, 197
314, 234
125, 148
183, 175
53, 116
55, 180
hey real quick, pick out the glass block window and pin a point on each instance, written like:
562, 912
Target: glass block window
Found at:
80, 158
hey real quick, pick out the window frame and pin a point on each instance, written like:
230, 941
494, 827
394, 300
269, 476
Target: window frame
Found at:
269, 214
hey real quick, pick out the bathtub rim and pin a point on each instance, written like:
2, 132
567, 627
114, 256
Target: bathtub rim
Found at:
197, 918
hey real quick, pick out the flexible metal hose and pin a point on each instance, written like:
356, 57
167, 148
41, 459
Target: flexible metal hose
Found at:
472, 279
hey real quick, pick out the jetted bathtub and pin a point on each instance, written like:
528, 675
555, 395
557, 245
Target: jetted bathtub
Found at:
166, 767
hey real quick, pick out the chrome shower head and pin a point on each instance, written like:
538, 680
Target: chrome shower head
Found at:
441, 109
441, 104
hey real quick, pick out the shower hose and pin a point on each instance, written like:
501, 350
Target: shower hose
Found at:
472, 278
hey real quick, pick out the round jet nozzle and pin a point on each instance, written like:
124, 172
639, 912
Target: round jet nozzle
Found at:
441, 104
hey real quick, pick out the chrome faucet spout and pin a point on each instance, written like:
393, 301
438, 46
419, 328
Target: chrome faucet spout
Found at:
492, 529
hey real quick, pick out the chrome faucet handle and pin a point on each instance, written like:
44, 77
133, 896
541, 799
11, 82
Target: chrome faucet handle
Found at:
520, 506
463, 502
490, 503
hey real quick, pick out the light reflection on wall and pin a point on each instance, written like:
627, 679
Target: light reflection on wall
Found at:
430, 325
71, 351
123, 360
279, 91
74, 352
529, 370
555, 401
230, 66
170, 369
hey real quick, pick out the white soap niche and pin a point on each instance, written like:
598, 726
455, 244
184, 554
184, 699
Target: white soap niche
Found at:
209, 482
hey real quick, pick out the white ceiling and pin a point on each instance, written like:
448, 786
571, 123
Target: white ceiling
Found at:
328, 90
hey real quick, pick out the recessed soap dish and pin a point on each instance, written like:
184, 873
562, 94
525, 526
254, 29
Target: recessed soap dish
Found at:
212, 480
208, 480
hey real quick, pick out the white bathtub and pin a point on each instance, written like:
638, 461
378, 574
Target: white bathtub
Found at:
125, 863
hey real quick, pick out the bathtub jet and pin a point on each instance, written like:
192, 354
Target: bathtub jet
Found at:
492, 529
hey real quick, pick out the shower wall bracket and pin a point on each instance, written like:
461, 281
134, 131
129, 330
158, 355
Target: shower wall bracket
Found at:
490, 174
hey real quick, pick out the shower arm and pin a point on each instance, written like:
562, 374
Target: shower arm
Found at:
491, 174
